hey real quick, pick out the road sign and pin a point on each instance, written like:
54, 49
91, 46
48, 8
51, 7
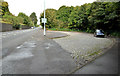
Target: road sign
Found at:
44, 20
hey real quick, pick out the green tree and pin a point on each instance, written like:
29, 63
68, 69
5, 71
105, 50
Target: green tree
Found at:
51, 18
34, 18
63, 14
4, 10
87, 17
78, 18
73, 18
104, 16
26, 19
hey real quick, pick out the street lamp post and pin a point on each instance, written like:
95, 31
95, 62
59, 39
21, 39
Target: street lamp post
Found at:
44, 19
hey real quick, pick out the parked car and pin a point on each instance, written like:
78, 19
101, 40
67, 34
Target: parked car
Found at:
99, 33
32, 27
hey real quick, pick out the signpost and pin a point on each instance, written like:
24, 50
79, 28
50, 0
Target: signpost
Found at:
44, 20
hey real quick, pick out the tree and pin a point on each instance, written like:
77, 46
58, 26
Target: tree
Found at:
34, 18
51, 18
63, 14
78, 18
87, 17
73, 18
27, 20
4, 10
104, 16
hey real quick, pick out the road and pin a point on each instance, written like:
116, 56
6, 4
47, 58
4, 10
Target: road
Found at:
15, 38
29, 52
32, 53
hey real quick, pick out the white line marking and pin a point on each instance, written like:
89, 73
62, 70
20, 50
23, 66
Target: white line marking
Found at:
47, 47
19, 46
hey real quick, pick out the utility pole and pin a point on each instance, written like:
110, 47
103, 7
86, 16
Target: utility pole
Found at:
44, 19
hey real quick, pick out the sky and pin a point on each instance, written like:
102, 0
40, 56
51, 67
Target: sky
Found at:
37, 6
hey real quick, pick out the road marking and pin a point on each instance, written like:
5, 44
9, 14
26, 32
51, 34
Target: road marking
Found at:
19, 47
47, 47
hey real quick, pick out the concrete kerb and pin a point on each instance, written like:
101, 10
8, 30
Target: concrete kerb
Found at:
54, 36
59, 37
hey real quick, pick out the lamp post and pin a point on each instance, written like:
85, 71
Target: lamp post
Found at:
44, 19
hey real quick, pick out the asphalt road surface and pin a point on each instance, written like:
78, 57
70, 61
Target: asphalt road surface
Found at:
29, 52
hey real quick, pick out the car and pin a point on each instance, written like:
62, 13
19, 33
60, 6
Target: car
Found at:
32, 27
99, 33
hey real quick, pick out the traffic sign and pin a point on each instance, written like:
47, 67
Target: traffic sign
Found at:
44, 20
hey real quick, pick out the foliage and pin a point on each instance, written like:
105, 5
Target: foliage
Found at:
51, 18
26, 19
13, 19
34, 18
63, 14
16, 21
87, 17
4, 8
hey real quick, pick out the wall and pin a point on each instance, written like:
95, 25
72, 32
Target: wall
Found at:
9, 27
25, 27
5, 27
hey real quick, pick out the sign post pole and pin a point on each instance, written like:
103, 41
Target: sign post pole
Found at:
44, 19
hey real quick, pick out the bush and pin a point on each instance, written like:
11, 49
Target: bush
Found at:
17, 26
8, 18
26, 20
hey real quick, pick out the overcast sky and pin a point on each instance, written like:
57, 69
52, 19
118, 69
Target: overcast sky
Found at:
37, 6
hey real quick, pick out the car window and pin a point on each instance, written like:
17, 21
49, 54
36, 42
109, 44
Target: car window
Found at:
97, 30
102, 31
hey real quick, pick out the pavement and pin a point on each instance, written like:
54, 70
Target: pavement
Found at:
29, 52
105, 64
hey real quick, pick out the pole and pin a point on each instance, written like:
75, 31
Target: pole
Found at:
44, 18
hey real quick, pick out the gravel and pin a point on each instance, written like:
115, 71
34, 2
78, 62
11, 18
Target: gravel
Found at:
83, 47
